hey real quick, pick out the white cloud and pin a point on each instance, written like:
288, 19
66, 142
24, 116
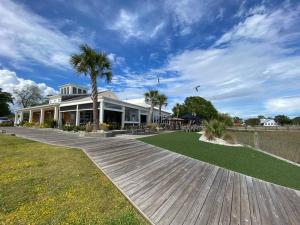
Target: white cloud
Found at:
283, 105
25, 36
256, 63
9, 81
133, 25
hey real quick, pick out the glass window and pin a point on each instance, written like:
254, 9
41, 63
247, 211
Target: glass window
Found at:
79, 91
112, 106
61, 90
68, 90
84, 91
131, 115
74, 90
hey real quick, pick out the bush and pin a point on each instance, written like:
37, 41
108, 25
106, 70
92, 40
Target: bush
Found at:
6, 124
28, 124
104, 126
88, 127
229, 139
214, 128
51, 123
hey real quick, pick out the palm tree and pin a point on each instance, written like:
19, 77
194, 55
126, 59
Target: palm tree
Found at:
176, 109
151, 98
95, 64
161, 101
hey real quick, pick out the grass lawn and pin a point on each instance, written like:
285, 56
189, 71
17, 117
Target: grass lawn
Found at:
240, 159
44, 184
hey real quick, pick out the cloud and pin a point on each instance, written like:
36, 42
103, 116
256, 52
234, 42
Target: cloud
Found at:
135, 25
252, 62
9, 81
283, 105
27, 37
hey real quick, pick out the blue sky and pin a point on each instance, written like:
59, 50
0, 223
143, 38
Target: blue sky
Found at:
244, 54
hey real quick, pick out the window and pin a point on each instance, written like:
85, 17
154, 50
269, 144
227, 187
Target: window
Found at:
74, 90
61, 90
84, 91
131, 115
68, 90
65, 91
79, 91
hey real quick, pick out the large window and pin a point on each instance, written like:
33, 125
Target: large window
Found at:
74, 90
112, 106
131, 115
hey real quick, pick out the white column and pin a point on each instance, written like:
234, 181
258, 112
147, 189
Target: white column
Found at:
55, 116
21, 117
139, 116
77, 116
59, 119
123, 117
101, 112
30, 116
42, 116
16, 118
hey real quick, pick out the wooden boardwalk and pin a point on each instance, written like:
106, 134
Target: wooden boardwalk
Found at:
169, 188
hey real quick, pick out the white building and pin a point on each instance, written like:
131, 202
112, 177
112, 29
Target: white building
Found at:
73, 105
268, 123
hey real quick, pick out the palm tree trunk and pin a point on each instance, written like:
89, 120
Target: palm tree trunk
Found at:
150, 115
95, 103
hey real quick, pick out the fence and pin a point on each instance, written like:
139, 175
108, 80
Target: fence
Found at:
285, 144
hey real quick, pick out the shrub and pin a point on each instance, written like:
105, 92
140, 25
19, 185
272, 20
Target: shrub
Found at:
214, 128
28, 124
6, 124
88, 127
229, 138
51, 123
104, 126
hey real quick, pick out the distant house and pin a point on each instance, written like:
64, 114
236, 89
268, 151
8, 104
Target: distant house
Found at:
268, 123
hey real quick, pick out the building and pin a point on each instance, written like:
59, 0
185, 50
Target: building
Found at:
268, 123
73, 106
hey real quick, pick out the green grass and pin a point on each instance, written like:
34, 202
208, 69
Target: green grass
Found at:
44, 184
239, 159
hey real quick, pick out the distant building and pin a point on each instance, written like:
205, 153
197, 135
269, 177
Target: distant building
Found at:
74, 106
268, 123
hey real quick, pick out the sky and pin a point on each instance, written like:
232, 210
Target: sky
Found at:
245, 55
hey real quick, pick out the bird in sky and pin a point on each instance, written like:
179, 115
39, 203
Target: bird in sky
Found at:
197, 87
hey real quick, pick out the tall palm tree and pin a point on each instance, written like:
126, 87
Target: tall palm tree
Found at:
162, 100
176, 109
93, 64
151, 98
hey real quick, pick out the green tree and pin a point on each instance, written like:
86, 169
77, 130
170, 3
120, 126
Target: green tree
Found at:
201, 107
226, 119
261, 117
151, 99
5, 99
296, 120
29, 95
176, 110
93, 64
162, 100
252, 121
282, 120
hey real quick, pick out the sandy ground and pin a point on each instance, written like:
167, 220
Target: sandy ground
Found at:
217, 141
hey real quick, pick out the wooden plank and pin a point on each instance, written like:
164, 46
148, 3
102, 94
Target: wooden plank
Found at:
236, 201
203, 217
226, 207
253, 204
245, 207
194, 212
263, 208
168, 210
215, 212
159, 198
190, 201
